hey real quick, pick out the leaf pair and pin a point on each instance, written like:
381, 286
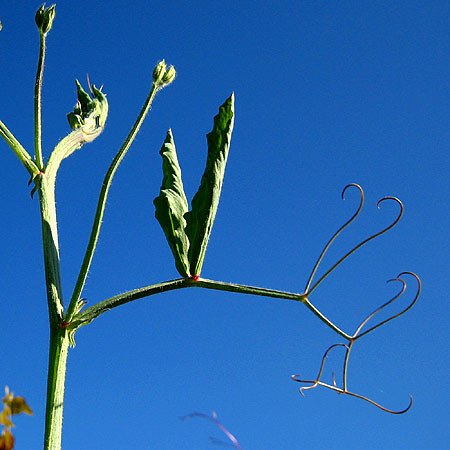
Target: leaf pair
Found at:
188, 232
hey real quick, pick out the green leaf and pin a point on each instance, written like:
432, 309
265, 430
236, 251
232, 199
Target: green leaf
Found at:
171, 206
188, 231
205, 202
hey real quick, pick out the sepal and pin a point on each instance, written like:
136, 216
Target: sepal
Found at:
44, 18
88, 113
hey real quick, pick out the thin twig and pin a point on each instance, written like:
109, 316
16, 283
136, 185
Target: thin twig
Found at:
365, 241
338, 232
344, 390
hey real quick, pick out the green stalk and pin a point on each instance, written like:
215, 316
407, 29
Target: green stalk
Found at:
59, 344
38, 102
18, 149
242, 289
46, 187
58, 337
102, 203
96, 310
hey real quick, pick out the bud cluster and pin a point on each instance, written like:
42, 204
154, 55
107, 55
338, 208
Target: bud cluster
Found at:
163, 75
88, 112
44, 18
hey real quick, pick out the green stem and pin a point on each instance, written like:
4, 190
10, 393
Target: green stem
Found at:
96, 310
20, 152
242, 289
59, 340
51, 249
38, 103
67, 146
102, 203
59, 344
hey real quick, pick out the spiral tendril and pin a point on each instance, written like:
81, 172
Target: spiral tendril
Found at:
309, 290
356, 335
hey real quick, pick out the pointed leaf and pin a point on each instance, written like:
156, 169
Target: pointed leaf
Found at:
171, 206
205, 202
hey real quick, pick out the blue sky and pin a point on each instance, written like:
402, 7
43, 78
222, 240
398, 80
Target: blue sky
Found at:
327, 93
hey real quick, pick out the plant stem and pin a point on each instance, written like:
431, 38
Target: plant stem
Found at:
59, 340
112, 302
102, 203
96, 310
38, 103
59, 344
51, 249
18, 149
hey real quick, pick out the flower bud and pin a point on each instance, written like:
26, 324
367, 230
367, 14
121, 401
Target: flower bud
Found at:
44, 18
75, 120
159, 71
101, 105
89, 113
169, 75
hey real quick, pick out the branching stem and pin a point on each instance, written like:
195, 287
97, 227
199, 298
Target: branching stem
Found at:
102, 203
96, 310
58, 338
64, 325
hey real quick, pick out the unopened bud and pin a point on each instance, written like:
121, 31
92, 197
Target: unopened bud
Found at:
75, 120
89, 113
159, 71
169, 75
44, 18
